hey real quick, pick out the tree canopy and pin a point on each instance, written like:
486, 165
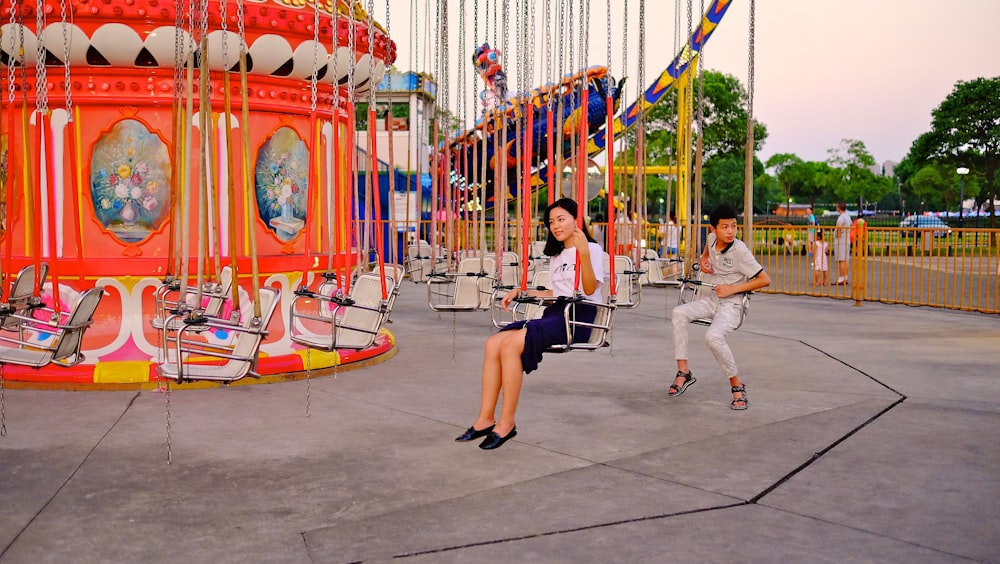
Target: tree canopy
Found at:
965, 132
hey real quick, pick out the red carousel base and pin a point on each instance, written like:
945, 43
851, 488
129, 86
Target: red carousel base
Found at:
140, 375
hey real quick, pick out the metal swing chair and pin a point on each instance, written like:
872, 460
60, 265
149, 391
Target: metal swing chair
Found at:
63, 333
215, 297
660, 272
328, 320
693, 288
22, 295
470, 288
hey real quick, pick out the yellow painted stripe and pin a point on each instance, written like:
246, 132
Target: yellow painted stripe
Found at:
313, 359
122, 372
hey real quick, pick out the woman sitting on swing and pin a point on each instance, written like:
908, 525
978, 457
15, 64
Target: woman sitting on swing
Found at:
518, 347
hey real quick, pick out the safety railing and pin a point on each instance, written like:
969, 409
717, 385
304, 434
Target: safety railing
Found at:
949, 268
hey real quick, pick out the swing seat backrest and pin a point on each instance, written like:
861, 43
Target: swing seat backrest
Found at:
221, 363
67, 336
657, 271
358, 324
22, 289
627, 292
510, 272
599, 328
690, 292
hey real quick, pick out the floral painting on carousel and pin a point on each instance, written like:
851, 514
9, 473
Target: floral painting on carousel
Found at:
281, 181
130, 181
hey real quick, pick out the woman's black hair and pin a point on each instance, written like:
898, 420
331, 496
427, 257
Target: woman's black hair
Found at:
552, 245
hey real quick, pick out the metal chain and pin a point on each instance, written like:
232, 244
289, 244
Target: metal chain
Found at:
750, 62
371, 68
350, 68
3, 409
14, 51
700, 116
224, 26
41, 76
66, 43
314, 78
178, 42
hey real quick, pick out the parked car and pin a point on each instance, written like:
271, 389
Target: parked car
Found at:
921, 222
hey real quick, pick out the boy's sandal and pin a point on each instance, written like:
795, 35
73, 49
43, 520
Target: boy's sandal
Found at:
741, 389
674, 390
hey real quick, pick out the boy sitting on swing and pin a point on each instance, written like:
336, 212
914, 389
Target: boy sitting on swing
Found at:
728, 263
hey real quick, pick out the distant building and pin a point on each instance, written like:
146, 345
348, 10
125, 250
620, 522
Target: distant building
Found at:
792, 210
410, 96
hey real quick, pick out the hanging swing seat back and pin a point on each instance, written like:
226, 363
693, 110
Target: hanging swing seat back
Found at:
216, 302
520, 310
61, 335
188, 357
628, 292
468, 289
327, 321
692, 289
422, 260
660, 272
20, 296
510, 271
599, 328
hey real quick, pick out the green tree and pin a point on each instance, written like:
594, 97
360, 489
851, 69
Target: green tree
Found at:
725, 111
856, 180
965, 131
788, 170
722, 182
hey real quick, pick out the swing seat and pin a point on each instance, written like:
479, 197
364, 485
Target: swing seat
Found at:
421, 263
628, 293
520, 310
692, 289
189, 358
216, 302
328, 322
598, 328
660, 272
20, 296
469, 289
65, 334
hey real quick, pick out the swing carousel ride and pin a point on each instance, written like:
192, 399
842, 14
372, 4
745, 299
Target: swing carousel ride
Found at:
114, 178
140, 233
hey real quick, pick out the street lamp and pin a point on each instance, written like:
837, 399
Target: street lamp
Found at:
962, 171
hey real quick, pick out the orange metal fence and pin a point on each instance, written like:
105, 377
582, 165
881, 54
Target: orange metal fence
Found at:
954, 268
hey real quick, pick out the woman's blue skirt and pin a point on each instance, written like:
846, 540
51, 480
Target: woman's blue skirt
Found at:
550, 329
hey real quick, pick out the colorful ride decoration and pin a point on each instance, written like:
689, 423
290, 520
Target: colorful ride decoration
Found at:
90, 179
563, 100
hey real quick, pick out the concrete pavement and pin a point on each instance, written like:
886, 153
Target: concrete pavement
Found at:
871, 436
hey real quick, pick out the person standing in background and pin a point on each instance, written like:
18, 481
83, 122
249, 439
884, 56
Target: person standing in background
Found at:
842, 243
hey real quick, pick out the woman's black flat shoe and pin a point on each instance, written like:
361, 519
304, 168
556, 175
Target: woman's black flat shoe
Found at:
495, 441
472, 434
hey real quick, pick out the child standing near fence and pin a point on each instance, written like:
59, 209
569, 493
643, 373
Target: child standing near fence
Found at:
819, 259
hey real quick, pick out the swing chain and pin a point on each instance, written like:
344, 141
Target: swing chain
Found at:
66, 44
41, 76
3, 410
11, 75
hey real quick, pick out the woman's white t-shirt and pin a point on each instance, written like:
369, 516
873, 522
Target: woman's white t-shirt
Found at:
562, 272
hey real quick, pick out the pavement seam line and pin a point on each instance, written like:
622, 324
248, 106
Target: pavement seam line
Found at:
565, 531
866, 531
816, 456
70, 477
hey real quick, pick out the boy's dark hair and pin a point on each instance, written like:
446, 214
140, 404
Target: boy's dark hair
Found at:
721, 211
552, 245
819, 233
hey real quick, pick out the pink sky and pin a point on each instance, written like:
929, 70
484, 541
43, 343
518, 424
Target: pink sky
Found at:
825, 69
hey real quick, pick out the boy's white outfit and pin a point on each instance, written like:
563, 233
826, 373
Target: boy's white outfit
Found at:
733, 265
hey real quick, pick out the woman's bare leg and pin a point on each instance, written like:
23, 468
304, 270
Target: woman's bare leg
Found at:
491, 380
512, 376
